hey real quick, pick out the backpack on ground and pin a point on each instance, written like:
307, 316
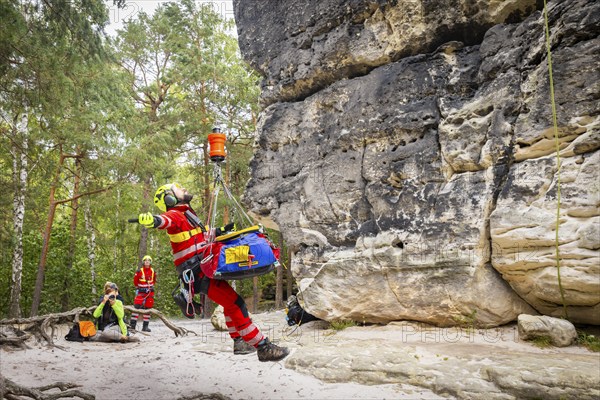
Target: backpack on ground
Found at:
81, 331
74, 335
87, 329
295, 314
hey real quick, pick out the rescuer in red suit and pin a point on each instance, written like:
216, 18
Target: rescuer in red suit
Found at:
186, 234
144, 281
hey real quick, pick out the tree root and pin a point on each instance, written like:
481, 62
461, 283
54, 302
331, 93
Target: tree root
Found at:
179, 331
11, 391
16, 341
19, 330
38, 326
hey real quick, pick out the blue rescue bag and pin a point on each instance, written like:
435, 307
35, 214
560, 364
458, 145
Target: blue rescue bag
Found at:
245, 256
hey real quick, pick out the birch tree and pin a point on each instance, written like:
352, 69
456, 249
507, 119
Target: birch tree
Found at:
19, 154
91, 245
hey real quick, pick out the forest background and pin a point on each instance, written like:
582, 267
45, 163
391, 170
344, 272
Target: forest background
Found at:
91, 124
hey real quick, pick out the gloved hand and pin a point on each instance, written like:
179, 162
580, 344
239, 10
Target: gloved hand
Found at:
146, 219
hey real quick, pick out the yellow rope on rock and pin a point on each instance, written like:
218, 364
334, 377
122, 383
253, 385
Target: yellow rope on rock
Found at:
558, 161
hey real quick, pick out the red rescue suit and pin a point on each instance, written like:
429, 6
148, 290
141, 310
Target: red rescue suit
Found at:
144, 281
187, 241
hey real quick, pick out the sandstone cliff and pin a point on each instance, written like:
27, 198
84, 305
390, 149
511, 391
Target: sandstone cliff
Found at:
406, 152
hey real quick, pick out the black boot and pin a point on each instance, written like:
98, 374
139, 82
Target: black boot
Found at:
132, 323
241, 347
267, 351
145, 327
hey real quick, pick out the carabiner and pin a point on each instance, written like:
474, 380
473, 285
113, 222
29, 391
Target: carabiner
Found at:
188, 276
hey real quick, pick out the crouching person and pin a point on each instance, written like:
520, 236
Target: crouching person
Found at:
109, 317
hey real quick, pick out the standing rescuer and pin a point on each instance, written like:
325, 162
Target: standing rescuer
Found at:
144, 281
186, 233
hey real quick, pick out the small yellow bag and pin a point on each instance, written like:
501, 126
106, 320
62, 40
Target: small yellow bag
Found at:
87, 328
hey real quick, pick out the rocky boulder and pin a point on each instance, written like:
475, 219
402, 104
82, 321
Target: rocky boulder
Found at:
407, 191
217, 319
561, 332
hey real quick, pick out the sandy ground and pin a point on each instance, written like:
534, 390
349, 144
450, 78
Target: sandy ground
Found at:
163, 366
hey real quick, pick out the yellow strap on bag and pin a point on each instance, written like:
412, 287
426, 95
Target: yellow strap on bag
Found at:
183, 236
87, 328
236, 254
235, 234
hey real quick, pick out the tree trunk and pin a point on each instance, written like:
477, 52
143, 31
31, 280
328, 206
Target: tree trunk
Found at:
91, 245
39, 281
289, 277
279, 279
254, 294
20, 187
117, 231
279, 287
53, 203
143, 246
72, 235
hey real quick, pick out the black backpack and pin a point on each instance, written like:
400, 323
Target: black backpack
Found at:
74, 335
296, 315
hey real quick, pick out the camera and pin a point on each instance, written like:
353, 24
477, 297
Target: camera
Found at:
112, 297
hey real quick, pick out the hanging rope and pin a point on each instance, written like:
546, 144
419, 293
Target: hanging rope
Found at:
238, 210
558, 161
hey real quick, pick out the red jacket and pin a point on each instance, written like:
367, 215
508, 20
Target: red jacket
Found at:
186, 240
144, 278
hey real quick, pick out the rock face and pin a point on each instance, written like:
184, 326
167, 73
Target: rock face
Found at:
408, 156
302, 46
454, 363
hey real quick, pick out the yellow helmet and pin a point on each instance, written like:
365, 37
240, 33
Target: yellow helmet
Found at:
165, 197
146, 257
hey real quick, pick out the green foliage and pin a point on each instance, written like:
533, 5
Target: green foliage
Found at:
467, 321
43, 48
542, 341
591, 342
341, 324
133, 129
